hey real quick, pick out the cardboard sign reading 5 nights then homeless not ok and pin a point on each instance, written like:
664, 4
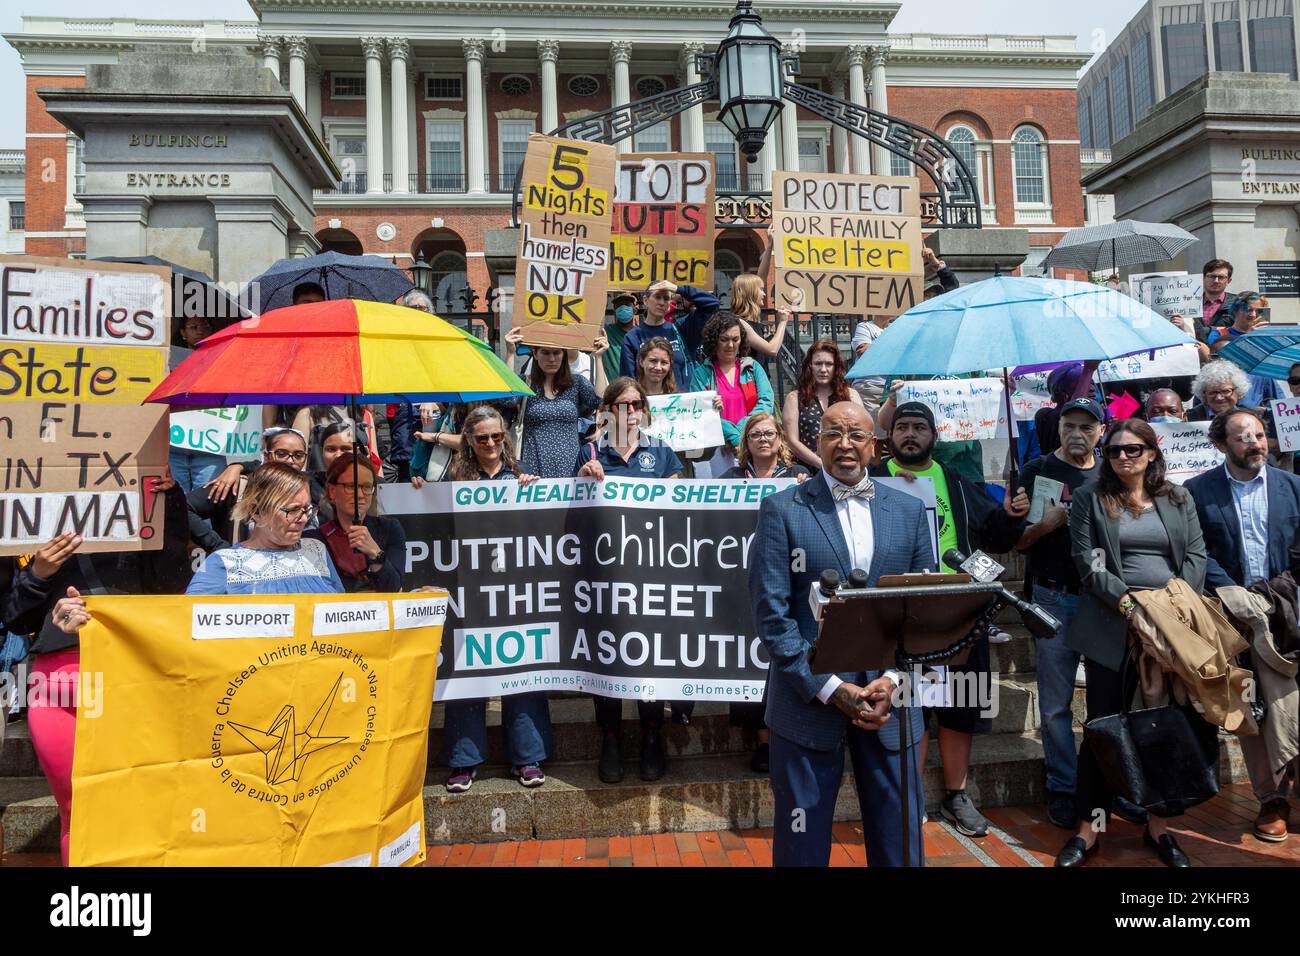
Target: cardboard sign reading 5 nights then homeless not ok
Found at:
846, 243
564, 230
81, 345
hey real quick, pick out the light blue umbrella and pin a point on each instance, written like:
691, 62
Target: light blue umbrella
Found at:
1270, 351
1007, 321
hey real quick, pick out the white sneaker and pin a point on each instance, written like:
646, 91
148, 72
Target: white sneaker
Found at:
1080, 678
999, 637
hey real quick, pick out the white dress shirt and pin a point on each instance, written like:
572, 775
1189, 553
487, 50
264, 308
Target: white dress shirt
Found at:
854, 515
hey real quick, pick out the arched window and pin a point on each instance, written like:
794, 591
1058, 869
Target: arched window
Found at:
726, 266
1029, 166
962, 141
449, 281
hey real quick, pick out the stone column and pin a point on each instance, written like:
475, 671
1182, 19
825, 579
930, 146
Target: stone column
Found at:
879, 101
252, 232
116, 225
789, 123
693, 118
297, 49
548, 51
270, 53
620, 54
839, 135
474, 139
314, 77
373, 47
858, 96
72, 218
399, 50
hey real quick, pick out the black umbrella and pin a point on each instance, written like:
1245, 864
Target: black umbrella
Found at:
340, 277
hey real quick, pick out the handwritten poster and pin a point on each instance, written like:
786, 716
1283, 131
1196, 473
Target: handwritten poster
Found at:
1286, 418
81, 344
846, 243
663, 220
1030, 395
235, 432
964, 409
1158, 363
686, 422
1187, 449
1168, 293
564, 232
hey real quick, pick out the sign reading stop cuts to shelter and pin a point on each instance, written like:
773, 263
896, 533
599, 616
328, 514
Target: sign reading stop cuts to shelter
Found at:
663, 220
564, 241
846, 243
81, 345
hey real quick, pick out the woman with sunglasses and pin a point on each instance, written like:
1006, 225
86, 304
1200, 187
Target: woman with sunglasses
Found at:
485, 454
560, 398
275, 558
1130, 530
821, 385
368, 553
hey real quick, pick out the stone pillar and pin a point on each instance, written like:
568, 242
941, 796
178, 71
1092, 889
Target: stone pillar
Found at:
858, 96
270, 53
879, 102
548, 51
297, 49
839, 135
373, 47
693, 118
620, 54
398, 53
116, 225
314, 77
72, 218
975, 254
476, 152
252, 232
767, 162
789, 123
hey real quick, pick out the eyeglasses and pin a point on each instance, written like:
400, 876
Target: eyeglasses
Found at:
281, 454
1218, 277
763, 436
1221, 393
1293, 381
1128, 451
630, 406
494, 438
366, 488
298, 512
857, 436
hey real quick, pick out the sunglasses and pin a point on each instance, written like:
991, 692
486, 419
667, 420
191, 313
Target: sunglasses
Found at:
1128, 451
1293, 381
630, 406
495, 438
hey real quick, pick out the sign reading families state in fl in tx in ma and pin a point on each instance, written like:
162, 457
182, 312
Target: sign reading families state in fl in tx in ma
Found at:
663, 220
846, 243
564, 229
81, 345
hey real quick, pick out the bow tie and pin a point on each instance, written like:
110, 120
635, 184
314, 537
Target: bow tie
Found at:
863, 489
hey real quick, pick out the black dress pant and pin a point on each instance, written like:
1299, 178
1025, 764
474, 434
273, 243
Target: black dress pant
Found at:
1104, 696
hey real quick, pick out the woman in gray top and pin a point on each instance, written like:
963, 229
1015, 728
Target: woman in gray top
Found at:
1130, 530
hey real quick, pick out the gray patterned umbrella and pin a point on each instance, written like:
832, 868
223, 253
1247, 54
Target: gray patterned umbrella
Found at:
1125, 243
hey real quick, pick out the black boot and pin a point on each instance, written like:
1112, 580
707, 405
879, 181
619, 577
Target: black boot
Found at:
610, 769
653, 759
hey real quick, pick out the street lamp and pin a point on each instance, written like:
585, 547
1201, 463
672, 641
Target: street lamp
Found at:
420, 275
748, 70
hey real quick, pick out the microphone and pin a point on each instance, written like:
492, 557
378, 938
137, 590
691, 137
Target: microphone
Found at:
820, 594
985, 570
858, 579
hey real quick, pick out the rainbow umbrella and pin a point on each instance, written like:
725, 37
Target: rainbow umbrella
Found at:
339, 352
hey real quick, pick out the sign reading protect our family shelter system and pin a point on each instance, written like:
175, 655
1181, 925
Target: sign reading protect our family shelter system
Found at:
565, 219
81, 345
846, 243
663, 220
268, 730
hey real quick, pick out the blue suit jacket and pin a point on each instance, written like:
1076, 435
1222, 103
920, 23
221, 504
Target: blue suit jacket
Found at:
804, 517
1220, 524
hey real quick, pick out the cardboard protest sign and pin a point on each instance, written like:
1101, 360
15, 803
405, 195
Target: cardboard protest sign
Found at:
964, 409
663, 220
1158, 363
1187, 449
564, 233
81, 344
1286, 418
234, 433
1168, 293
686, 422
293, 727
847, 243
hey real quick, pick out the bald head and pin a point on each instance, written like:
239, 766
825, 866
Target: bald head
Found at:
846, 442
1165, 403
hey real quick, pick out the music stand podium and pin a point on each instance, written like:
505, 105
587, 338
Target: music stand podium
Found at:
905, 621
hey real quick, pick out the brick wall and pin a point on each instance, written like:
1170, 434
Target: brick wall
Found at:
47, 169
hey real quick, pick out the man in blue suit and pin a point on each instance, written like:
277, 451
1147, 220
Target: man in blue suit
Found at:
1249, 514
838, 519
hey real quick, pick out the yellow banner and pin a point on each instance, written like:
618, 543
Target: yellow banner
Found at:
80, 373
276, 730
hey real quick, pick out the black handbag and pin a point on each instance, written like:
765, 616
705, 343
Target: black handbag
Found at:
1165, 759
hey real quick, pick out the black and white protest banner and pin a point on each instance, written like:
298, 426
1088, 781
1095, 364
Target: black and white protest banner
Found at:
628, 588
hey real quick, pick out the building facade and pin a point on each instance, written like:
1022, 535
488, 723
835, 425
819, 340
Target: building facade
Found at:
427, 111
13, 212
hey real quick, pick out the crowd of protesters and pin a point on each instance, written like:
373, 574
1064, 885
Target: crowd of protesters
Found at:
1111, 535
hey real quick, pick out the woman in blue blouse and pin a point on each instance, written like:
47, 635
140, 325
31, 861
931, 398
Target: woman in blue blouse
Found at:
275, 558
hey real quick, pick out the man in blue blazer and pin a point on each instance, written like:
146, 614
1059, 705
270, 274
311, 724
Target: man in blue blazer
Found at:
838, 519
1249, 514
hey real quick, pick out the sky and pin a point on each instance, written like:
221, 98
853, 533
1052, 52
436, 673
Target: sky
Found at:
1093, 23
